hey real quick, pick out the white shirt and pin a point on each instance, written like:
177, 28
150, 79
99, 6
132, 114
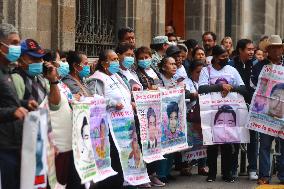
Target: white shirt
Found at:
151, 73
117, 91
190, 85
130, 76
210, 76
209, 59
181, 73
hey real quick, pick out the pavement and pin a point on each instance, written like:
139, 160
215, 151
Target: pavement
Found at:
199, 182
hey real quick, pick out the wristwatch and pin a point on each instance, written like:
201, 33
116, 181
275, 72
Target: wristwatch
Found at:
54, 82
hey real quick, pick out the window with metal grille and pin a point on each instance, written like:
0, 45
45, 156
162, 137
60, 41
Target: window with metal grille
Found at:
95, 26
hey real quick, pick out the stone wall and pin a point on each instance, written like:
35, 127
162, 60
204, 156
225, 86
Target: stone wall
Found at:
204, 16
147, 18
250, 18
52, 22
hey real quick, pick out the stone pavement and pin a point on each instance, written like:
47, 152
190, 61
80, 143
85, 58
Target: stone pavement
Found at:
199, 182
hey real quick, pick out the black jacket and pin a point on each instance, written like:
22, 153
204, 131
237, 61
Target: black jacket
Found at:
256, 69
245, 71
10, 127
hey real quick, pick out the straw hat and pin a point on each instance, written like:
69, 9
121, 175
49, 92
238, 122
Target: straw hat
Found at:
273, 40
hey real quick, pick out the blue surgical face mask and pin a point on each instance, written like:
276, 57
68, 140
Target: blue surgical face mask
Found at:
35, 69
128, 62
113, 67
14, 52
85, 72
145, 63
63, 69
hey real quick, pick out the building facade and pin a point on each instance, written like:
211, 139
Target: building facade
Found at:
92, 25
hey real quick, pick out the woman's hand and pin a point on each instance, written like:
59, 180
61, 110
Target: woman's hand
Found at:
227, 87
77, 96
119, 106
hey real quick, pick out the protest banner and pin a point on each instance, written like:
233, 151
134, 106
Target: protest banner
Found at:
100, 138
223, 119
81, 143
266, 113
194, 139
148, 106
34, 150
90, 140
174, 129
123, 131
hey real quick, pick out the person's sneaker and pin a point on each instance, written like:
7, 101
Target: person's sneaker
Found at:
262, 181
229, 179
253, 175
156, 182
211, 179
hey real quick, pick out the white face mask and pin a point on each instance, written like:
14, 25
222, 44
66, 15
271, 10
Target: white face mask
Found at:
173, 43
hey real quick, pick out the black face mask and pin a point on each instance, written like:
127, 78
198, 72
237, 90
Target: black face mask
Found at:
223, 62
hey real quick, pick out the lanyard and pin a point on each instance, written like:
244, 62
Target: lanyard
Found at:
119, 89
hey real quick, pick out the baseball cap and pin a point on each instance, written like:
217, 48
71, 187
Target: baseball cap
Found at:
32, 48
172, 50
160, 40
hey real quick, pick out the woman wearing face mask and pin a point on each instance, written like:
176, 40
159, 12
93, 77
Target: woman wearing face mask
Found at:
125, 52
64, 163
149, 78
106, 82
207, 83
79, 70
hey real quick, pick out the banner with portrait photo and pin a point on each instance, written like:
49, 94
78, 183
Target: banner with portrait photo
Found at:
99, 133
34, 150
81, 143
267, 108
148, 106
223, 119
174, 129
91, 147
123, 130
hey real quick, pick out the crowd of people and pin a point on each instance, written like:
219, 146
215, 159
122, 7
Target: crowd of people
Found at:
29, 74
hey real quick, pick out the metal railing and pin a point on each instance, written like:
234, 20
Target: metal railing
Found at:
95, 26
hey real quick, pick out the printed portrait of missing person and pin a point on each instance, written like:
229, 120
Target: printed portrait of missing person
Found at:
225, 125
276, 101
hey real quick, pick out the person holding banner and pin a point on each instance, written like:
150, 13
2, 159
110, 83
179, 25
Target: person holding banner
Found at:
13, 109
125, 52
168, 70
79, 70
150, 80
64, 163
243, 63
220, 77
193, 116
274, 48
106, 82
